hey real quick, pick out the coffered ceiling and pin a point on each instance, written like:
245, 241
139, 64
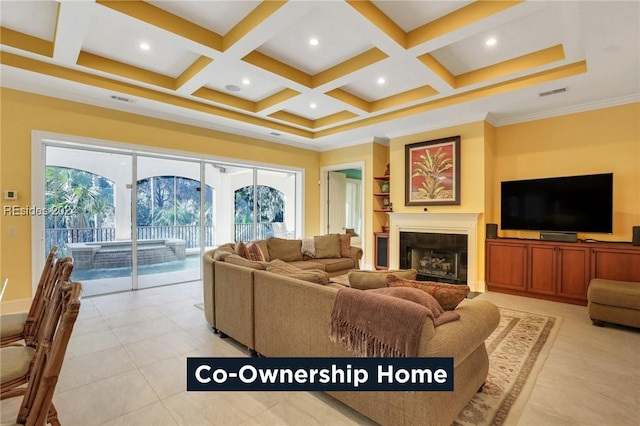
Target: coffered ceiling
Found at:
379, 69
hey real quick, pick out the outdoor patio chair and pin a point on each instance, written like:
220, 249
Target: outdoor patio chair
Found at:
47, 358
21, 326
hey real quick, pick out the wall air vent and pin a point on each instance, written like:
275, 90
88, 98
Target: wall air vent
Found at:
553, 92
121, 99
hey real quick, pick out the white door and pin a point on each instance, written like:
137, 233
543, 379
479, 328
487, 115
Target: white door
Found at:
336, 202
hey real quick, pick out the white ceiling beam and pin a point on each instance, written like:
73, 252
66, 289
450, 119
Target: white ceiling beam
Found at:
74, 18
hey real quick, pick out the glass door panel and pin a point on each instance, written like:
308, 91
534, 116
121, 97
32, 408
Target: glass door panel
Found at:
88, 206
167, 221
240, 184
276, 204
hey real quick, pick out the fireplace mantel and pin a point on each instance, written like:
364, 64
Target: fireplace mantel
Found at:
437, 223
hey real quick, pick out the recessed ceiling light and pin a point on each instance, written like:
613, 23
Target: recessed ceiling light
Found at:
491, 41
381, 80
314, 41
144, 45
312, 105
232, 88
246, 81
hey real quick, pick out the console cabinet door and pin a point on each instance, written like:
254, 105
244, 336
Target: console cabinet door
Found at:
572, 271
542, 269
506, 265
614, 264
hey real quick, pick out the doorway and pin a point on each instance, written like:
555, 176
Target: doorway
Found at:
342, 192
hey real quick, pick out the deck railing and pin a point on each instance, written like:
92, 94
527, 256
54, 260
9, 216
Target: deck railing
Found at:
190, 233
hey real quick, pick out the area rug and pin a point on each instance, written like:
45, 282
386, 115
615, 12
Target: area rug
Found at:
517, 351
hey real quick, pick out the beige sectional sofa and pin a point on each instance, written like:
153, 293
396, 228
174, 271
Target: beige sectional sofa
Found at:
281, 316
233, 282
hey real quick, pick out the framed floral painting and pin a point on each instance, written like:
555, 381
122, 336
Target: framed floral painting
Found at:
433, 172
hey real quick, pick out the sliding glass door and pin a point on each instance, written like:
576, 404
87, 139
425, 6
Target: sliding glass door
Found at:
88, 206
134, 220
168, 223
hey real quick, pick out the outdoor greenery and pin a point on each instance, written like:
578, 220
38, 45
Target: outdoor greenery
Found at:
78, 199
172, 200
270, 205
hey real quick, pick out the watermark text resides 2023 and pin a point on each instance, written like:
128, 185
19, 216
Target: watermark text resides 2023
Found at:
13, 210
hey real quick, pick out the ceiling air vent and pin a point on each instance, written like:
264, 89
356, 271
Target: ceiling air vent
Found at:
553, 92
121, 99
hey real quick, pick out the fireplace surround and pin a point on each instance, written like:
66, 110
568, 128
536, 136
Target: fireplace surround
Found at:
438, 261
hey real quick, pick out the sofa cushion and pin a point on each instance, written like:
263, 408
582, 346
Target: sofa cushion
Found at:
364, 280
280, 267
345, 245
284, 249
255, 253
448, 295
311, 275
334, 265
308, 264
327, 246
223, 251
241, 261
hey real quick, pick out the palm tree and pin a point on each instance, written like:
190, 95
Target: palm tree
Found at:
431, 168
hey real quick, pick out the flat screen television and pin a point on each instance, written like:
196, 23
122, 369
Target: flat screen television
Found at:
562, 204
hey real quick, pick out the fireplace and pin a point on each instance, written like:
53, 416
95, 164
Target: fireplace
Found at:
441, 246
436, 256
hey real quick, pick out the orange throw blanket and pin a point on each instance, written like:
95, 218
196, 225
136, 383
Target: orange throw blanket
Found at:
376, 325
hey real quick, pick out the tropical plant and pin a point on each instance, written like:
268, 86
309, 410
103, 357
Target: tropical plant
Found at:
430, 168
80, 199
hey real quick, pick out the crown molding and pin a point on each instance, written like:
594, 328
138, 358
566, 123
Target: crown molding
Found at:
589, 106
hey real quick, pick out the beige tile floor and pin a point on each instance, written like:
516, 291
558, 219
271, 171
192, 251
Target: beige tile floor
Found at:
125, 365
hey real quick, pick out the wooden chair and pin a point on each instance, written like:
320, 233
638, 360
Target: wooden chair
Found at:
61, 314
24, 326
17, 360
14, 327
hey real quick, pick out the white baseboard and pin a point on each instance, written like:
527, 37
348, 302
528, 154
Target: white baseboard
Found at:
13, 306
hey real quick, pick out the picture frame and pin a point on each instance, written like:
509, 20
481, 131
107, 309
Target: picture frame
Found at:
433, 172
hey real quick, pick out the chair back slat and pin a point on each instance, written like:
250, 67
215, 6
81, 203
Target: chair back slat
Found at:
61, 315
60, 272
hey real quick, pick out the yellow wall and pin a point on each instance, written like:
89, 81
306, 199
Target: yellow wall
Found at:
472, 169
23, 112
591, 142
600, 141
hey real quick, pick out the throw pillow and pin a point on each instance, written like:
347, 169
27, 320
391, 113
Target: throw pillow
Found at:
345, 245
264, 248
413, 295
440, 316
241, 250
448, 295
241, 261
327, 246
284, 249
254, 252
364, 280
